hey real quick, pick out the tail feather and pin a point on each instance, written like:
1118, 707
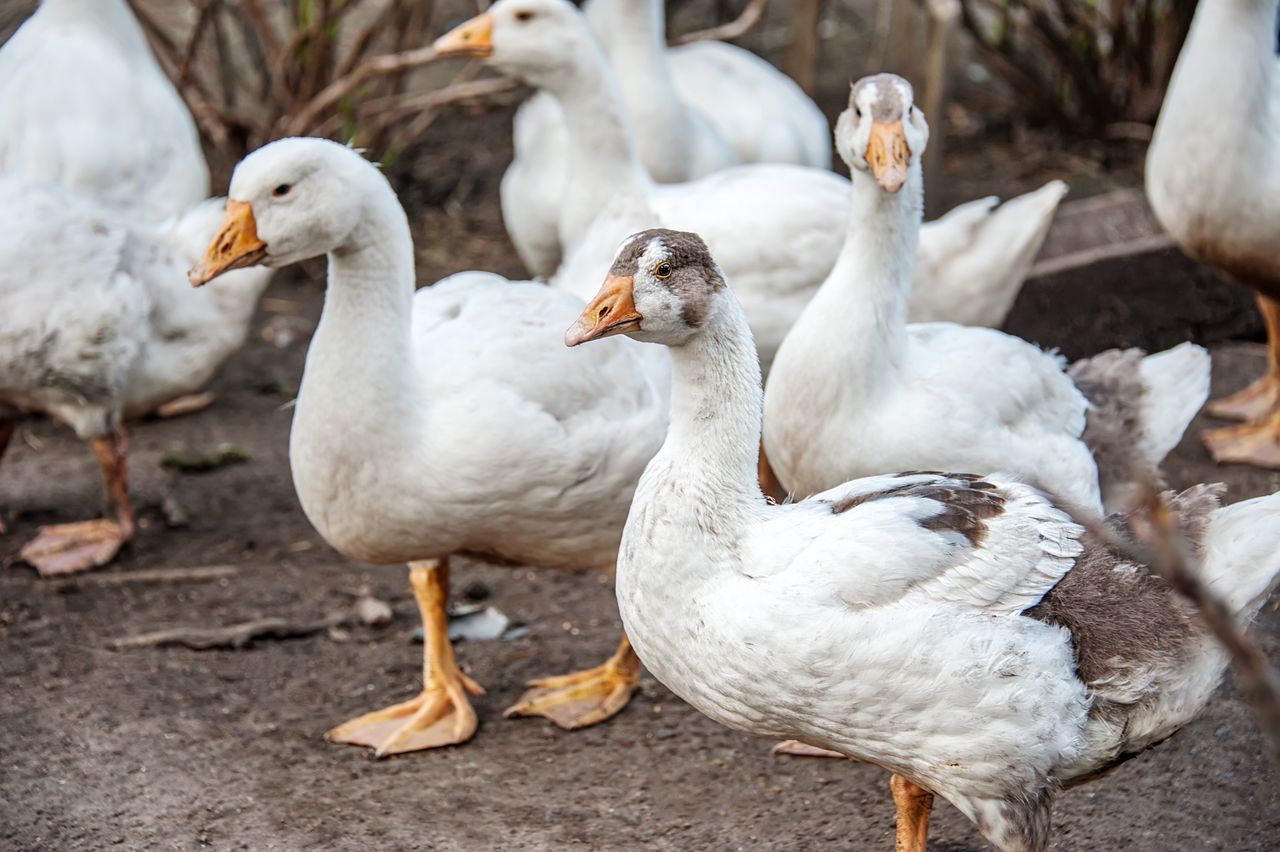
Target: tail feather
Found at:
973, 261
1139, 407
1241, 553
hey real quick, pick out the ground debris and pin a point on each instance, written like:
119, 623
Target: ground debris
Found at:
241, 635
199, 574
224, 455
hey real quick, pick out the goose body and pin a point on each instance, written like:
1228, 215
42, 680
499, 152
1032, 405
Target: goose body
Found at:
961, 631
856, 390
1213, 179
98, 323
778, 228
84, 103
450, 420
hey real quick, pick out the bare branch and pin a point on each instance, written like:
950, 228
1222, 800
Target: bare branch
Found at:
739, 26
303, 119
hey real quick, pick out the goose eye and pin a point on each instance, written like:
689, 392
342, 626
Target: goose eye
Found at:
282, 190
662, 270
524, 15
857, 112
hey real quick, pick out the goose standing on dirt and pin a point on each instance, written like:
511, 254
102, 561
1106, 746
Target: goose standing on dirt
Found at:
695, 110
448, 421
98, 324
777, 228
962, 632
84, 103
855, 390
1213, 179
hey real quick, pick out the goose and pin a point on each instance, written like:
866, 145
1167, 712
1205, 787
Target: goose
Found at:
696, 109
1213, 180
961, 631
855, 389
447, 421
83, 102
778, 228
97, 324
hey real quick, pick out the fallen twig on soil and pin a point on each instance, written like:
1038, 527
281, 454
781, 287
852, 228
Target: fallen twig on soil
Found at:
366, 610
201, 574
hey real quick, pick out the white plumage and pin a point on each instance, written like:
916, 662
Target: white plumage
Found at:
84, 103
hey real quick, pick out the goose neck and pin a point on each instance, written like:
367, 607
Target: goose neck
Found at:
717, 403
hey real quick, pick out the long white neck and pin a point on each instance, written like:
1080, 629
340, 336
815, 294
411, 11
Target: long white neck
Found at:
855, 326
361, 363
1222, 85
604, 164
638, 45
713, 441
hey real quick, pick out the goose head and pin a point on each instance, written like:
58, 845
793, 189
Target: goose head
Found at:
535, 40
882, 132
662, 287
289, 201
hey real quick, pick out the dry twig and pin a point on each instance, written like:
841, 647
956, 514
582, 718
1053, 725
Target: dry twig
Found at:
729, 30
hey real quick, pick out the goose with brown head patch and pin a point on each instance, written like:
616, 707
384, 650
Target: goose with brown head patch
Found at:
450, 420
928, 623
857, 390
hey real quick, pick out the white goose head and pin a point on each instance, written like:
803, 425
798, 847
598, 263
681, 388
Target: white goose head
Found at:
289, 201
535, 40
663, 286
882, 131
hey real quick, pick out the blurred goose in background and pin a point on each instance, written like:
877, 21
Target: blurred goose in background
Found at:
447, 421
777, 228
962, 632
855, 390
84, 103
98, 324
1213, 179
695, 110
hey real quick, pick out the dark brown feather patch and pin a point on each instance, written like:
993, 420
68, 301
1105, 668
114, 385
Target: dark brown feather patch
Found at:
967, 504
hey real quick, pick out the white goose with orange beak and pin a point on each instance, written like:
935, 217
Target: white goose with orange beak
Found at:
450, 420
960, 631
856, 390
777, 229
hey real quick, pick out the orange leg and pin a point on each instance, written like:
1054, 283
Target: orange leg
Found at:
914, 803
441, 714
769, 483
71, 548
1257, 441
583, 698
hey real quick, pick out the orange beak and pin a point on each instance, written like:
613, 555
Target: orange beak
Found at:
235, 247
612, 311
888, 154
473, 38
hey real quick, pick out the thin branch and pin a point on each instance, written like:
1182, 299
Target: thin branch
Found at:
739, 26
303, 119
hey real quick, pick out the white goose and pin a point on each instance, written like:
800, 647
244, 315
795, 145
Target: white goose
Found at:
777, 228
695, 109
83, 102
97, 324
962, 632
855, 390
1213, 178
450, 420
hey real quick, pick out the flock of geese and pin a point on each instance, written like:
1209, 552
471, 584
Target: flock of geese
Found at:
962, 630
